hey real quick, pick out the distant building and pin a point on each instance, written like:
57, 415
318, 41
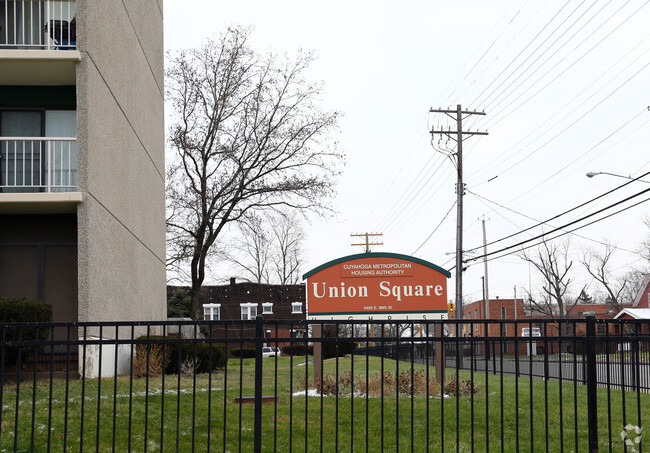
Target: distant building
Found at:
246, 300
522, 317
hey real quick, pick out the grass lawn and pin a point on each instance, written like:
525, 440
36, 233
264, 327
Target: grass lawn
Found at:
185, 412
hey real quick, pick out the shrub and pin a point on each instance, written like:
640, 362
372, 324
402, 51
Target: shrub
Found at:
376, 385
154, 367
465, 387
24, 310
338, 349
170, 353
245, 353
298, 349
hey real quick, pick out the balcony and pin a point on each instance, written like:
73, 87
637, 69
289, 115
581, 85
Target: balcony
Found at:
38, 175
38, 42
40, 25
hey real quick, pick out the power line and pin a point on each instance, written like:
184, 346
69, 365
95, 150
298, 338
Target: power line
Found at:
536, 220
562, 213
436, 228
563, 226
564, 233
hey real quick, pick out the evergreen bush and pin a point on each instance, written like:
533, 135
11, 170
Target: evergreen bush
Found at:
13, 310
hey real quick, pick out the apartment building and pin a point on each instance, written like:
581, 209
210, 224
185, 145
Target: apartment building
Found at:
82, 168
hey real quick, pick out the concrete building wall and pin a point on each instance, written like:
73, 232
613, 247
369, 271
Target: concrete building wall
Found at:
120, 130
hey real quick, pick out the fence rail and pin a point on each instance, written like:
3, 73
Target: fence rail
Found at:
209, 386
38, 164
31, 24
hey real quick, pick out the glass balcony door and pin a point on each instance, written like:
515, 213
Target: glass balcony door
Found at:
61, 156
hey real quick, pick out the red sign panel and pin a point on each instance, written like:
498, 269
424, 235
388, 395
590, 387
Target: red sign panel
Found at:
377, 286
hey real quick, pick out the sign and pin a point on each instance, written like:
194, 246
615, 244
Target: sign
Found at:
380, 286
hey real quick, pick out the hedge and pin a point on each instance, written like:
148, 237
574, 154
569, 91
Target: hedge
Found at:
298, 349
329, 349
23, 310
246, 353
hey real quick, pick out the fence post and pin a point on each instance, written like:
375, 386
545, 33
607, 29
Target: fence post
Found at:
259, 340
592, 408
440, 353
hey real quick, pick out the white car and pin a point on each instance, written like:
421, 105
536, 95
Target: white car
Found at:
271, 351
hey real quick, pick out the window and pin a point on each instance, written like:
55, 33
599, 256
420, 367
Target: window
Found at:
296, 307
267, 308
503, 312
212, 312
248, 311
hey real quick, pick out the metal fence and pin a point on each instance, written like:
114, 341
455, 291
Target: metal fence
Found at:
338, 386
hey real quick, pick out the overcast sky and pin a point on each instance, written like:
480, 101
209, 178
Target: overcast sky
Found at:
564, 85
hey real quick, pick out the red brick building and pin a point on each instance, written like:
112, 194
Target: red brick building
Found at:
245, 300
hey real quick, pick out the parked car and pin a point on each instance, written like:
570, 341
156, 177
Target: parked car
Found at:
271, 351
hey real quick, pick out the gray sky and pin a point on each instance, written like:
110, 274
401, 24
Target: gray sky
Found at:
564, 86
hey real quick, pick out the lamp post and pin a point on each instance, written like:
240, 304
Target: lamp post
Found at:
591, 174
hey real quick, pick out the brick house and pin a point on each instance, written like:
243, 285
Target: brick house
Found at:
245, 300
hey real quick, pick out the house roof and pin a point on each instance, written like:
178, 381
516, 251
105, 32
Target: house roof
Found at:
636, 313
642, 290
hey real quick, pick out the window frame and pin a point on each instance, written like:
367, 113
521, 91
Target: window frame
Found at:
211, 308
248, 308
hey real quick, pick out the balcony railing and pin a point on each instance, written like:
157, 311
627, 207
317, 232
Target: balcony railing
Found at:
32, 24
35, 164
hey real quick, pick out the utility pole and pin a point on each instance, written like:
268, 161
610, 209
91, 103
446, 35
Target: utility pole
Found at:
485, 264
367, 244
457, 136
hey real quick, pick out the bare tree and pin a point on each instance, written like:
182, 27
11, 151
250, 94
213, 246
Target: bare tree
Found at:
269, 248
636, 282
644, 248
552, 261
247, 136
252, 250
598, 266
287, 248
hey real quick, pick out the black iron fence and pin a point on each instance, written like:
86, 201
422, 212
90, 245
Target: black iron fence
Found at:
338, 386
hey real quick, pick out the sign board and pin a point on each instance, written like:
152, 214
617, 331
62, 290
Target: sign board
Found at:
377, 286
528, 332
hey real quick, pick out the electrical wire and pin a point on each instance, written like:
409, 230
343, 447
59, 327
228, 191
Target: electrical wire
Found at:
566, 225
562, 213
435, 229
564, 233
536, 220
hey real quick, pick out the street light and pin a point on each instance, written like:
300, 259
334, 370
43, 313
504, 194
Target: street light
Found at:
591, 174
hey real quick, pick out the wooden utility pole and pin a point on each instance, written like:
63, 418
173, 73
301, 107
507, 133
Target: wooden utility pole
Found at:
367, 244
457, 136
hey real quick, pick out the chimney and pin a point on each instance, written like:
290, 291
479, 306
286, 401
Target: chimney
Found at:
232, 281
